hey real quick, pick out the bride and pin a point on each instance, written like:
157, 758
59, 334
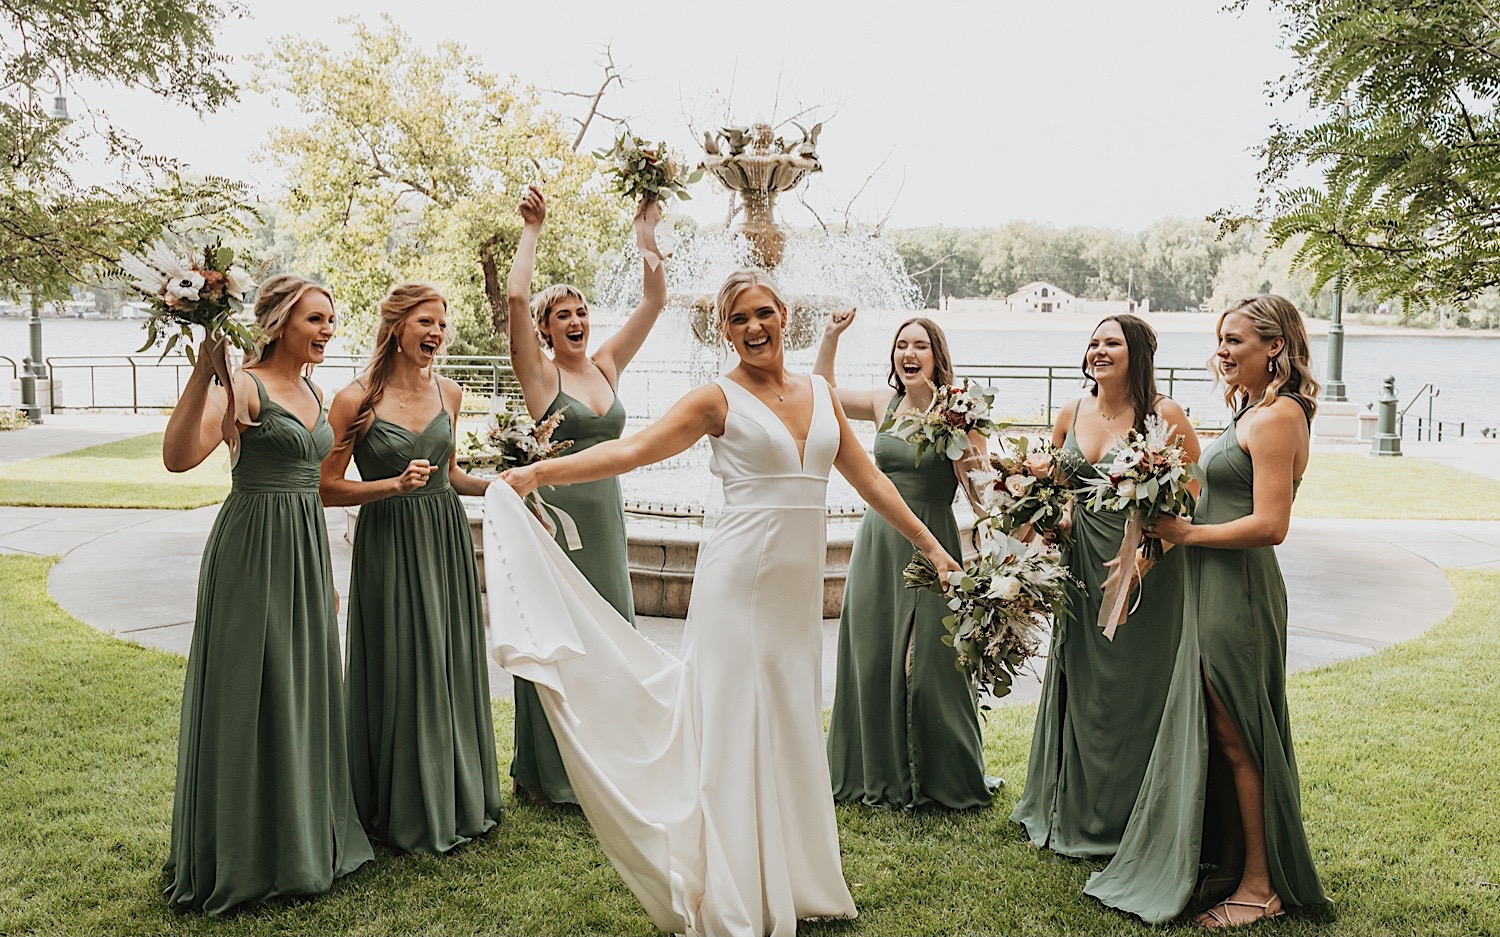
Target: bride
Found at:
705, 778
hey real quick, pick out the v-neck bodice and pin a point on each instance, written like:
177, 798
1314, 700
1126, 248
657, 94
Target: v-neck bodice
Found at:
386, 449
757, 457
279, 452
582, 425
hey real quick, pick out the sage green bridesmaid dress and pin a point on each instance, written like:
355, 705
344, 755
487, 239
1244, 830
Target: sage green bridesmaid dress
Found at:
598, 509
263, 805
421, 737
1234, 633
899, 739
1102, 700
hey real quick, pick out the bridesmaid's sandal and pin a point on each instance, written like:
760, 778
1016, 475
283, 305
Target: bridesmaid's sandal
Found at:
1222, 916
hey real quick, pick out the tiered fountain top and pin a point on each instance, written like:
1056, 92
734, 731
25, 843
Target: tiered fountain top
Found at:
759, 165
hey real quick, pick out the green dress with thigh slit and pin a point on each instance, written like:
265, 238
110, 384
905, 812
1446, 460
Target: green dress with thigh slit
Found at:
1102, 700
900, 738
421, 737
263, 805
1234, 633
598, 510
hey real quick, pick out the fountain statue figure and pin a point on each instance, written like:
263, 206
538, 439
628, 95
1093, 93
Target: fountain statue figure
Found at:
757, 165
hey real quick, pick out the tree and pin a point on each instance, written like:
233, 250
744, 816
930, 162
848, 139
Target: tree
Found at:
1408, 147
411, 167
54, 229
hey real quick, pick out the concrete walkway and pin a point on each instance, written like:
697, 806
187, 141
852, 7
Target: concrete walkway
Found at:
1354, 586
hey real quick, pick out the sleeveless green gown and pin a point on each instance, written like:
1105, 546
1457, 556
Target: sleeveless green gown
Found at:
598, 509
421, 737
1234, 632
1102, 700
263, 805
897, 739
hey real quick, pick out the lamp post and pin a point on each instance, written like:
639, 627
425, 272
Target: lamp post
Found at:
1333, 388
57, 111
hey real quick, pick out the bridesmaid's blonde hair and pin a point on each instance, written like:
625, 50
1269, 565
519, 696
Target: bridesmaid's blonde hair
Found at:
541, 306
394, 309
739, 281
274, 301
1275, 317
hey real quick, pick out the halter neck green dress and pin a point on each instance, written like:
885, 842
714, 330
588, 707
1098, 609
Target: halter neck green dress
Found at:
899, 739
1234, 633
598, 509
263, 805
421, 737
1102, 700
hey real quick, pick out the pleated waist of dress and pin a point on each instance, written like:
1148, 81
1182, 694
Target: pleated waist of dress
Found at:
923, 494
439, 487
776, 493
301, 481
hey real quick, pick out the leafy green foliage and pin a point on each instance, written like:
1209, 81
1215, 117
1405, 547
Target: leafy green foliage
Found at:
1408, 147
411, 166
54, 229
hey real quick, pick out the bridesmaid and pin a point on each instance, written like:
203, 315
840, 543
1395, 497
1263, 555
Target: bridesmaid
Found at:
421, 738
1222, 785
263, 805
905, 726
585, 386
1102, 700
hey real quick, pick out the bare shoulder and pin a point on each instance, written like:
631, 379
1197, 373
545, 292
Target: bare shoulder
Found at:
449, 387
1068, 413
1281, 421
1170, 410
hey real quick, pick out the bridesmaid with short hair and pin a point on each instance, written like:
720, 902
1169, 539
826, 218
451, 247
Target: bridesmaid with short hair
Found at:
584, 386
263, 805
421, 737
1221, 789
1102, 699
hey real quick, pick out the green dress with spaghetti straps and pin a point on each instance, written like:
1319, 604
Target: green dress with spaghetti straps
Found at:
599, 512
1102, 700
421, 737
263, 805
900, 738
1234, 634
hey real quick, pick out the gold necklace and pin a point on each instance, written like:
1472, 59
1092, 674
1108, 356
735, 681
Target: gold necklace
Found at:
1109, 417
399, 398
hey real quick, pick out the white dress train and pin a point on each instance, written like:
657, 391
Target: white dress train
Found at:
705, 779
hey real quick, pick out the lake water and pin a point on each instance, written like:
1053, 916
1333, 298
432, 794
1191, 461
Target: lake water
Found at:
1459, 365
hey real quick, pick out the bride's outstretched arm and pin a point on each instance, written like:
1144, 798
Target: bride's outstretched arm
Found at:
701, 412
882, 496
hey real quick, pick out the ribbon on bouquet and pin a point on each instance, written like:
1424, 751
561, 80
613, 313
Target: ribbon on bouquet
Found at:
545, 513
1112, 610
647, 217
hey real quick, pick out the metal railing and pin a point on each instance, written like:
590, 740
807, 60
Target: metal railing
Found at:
146, 382
1030, 393
1428, 427
15, 369
1433, 430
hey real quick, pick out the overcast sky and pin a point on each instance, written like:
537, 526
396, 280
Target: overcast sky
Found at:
1100, 112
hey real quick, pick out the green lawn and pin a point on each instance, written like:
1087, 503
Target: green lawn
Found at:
123, 474
1400, 752
1349, 485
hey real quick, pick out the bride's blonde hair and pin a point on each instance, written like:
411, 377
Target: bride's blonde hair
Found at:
1291, 373
739, 281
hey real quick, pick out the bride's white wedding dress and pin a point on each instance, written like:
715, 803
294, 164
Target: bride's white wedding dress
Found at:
705, 779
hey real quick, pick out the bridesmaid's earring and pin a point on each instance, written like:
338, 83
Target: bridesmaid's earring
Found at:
1270, 365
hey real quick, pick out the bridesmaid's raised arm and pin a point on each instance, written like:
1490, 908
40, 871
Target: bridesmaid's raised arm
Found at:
616, 353
526, 357
858, 404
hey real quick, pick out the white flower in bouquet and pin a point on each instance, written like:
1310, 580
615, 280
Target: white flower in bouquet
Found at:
1126, 488
185, 287
1004, 588
237, 281
1125, 460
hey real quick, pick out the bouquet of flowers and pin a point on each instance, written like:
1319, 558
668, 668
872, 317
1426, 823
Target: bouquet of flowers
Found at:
513, 439
645, 172
1023, 484
201, 289
945, 425
1001, 604
1149, 475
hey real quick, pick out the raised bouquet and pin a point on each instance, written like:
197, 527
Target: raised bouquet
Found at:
198, 288
945, 425
511, 439
645, 172
1001, 605
1025, 483
203, 288
1149, 475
